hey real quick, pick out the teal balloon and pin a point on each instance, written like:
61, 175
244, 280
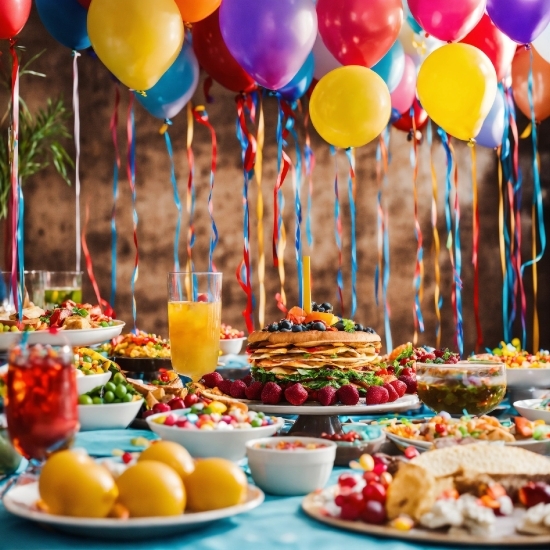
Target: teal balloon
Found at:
65, 20
413, 23
392, 66
299, 85
175, 87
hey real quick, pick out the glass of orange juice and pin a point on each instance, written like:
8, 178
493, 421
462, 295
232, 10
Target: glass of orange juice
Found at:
194, 322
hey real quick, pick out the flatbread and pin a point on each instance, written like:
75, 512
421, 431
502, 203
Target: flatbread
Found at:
311, 337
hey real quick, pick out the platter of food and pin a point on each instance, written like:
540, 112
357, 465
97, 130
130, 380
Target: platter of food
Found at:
470, 495
534, 409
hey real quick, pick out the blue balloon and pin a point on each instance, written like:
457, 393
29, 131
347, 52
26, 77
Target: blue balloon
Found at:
175, 87
299, 85
413, 23
492, 131
392, 66
65, 20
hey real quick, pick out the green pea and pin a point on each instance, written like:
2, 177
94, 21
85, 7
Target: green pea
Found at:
104, 324
121, 391
109, 397
98, 401
6, 328
256, 423
117, 401
110, 387
87, 372
87, 359
118, 378
127, 398
85, 400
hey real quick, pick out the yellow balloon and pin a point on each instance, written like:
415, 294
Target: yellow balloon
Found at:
456, 86
137, 40
350, 106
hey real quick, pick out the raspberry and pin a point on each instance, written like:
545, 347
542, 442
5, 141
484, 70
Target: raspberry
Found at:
348, 395
271, 394
411, 383
296, 394
327, 396
393, 395
399, 386
254, 391
225, 386
248, 379
238, 389
376, 395
212, 379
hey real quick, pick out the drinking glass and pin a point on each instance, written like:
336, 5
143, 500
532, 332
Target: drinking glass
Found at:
61, 286
194, 322
34, 290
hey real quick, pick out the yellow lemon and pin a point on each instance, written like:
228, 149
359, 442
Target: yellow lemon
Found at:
151, 488
172, 454
215, 483
72, 484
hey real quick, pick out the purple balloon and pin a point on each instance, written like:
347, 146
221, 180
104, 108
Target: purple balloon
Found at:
492, 131
521, 20
270, 39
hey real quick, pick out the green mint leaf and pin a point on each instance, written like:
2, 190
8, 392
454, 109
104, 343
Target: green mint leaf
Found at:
349, 325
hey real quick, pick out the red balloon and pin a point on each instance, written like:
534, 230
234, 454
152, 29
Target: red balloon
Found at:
85, 3
405, 122
13, 16
216, 59
358, 32
494, 44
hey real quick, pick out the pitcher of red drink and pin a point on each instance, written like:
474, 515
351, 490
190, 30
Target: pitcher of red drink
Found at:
41, 402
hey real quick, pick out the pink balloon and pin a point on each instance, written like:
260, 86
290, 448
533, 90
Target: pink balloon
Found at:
448, 20
403, 96
324, 60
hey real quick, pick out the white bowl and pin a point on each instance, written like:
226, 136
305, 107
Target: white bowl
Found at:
528, 378
109, 416
231, 346
296, 472
526, 408
229, 444
87, 383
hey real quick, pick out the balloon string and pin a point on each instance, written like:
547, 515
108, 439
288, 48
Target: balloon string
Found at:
131, 174
502, 249
379, 221
260, 138
201, 116
76, 110
297, 187
190, 202
20, 244
350, 153
309, 158
475, 250
438, 298
338, 232
116, 168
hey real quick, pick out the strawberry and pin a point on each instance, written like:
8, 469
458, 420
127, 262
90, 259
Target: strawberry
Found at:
248, 379
212, 379
348, 395
271, 394
254, 391
393, 395
400, 387
410, 381
407, 371
312, 395
238, 389
296, 394
327, 396
225, 386
376, 395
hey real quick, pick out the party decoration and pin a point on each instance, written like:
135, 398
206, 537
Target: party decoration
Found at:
542, 44
324, 60
197, 10
137, 40
413, 23
494, 44
13, 16
417, 121
350, 106
541, 84
65, 20
521, 20
298, 86
391, 67
175, 88
448, 21
417, 46
278, 38
492, 130
405, 92
456, 86
216, 59
358, 32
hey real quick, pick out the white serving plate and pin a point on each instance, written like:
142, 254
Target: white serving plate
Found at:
86, 337
313, 408
86, 383
231, 346
21, 500
109, 416
528, 378
228, 444
526, 408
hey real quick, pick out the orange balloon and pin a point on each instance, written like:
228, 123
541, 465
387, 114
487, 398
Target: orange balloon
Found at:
197, 10
541, 84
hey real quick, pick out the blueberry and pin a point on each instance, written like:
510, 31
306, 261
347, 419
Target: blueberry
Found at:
369, 330
339, 326
313, 306
274, 327
285, 330
359, 327
321, 309
285, 323
297, 328
327, 306
319, 326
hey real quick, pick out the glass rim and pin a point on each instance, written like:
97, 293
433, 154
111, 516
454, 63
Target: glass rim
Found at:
195, 273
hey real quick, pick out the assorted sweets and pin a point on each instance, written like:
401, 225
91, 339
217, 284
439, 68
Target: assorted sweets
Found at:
289, 445
516, 358
227, 332
138, 345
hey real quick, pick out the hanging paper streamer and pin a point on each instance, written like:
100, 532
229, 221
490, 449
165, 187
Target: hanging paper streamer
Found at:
438, 299
260, 137
116, 168
20, 244
131, 174
309, 162
475, 249
201, 116
76, 111
537, 216
350, 153
190, 190
338, 232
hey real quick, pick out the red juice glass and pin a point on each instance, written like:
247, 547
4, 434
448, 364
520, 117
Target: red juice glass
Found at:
41, 402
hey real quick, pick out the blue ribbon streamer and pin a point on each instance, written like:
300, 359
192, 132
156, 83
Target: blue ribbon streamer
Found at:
380, 225
337, 223
386, 255
297, 210
353, 235
134, 211
114, 236
308, 157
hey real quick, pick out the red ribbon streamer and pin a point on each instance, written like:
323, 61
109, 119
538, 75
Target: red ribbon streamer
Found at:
475, 248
